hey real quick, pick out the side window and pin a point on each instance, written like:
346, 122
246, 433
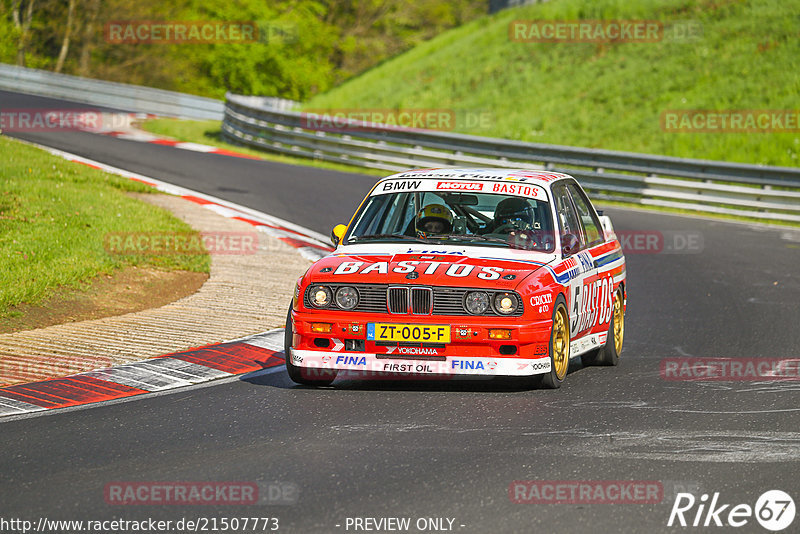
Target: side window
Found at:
591, 224
381, 215
567, 218
397, 214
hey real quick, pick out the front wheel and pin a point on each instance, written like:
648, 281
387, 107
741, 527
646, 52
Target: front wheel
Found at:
301, 375
559, 347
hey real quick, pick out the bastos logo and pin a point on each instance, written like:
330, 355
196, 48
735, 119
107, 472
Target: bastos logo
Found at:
455, 270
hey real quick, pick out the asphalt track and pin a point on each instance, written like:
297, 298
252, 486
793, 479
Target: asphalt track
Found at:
447, 449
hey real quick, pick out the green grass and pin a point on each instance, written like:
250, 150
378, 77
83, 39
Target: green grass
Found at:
209, 133
54, 216
604, 95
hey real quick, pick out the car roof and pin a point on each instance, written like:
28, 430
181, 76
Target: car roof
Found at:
541, 177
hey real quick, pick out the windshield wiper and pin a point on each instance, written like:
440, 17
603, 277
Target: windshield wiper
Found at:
371, 237
471, 237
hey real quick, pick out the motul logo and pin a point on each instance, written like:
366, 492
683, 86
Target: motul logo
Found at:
461, 186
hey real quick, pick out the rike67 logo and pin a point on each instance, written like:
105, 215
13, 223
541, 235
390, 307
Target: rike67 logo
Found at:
774, 510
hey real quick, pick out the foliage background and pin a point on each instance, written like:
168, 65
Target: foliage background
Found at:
325, 41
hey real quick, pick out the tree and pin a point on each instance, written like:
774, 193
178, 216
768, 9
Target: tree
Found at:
22, 15
62, 55
89, 36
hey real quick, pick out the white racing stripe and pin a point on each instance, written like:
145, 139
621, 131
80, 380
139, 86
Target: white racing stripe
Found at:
142, 137
188, 371
195, 147
272, 340
311, 253
14, 407
140, 376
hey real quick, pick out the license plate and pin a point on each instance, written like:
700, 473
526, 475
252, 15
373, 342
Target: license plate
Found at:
408, 332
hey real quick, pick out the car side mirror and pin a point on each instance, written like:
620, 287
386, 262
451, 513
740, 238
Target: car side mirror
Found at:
569, 244
337, 234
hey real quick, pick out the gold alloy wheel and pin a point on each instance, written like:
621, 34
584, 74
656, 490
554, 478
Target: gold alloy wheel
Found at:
619, 322
560, 343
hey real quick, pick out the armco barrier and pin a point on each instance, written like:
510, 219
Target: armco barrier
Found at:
697, 185
114, 95
123, 96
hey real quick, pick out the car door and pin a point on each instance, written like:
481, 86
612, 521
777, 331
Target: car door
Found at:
579, 267
596, 298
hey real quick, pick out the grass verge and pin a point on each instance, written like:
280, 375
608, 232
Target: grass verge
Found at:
54, 218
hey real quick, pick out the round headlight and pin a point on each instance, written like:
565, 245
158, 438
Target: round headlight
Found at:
506, 303
476, 302
320, 296
346, 297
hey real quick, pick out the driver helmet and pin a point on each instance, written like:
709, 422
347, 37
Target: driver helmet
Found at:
514, 211
434, 219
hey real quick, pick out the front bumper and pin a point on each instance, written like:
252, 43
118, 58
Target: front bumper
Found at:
373, 363
471, 350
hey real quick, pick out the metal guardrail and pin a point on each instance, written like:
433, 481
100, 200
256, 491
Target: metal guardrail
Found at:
114, 95
700, 185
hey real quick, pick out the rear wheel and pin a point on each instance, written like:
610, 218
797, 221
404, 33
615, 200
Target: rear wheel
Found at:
559, 347
608, 354
301, 375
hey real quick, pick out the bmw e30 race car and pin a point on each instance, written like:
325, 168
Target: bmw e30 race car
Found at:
463, 272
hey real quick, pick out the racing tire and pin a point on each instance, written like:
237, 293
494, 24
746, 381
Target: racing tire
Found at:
299, 374
608, 354
559, 347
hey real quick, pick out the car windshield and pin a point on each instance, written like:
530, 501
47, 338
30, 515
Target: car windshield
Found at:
485, 219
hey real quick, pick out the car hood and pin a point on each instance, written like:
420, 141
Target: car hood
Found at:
445, 266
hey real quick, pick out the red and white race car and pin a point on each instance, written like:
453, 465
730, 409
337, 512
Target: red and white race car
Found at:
462, 272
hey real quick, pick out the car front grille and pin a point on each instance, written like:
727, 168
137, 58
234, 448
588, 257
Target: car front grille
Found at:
397, 300
421, 298
413, 300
